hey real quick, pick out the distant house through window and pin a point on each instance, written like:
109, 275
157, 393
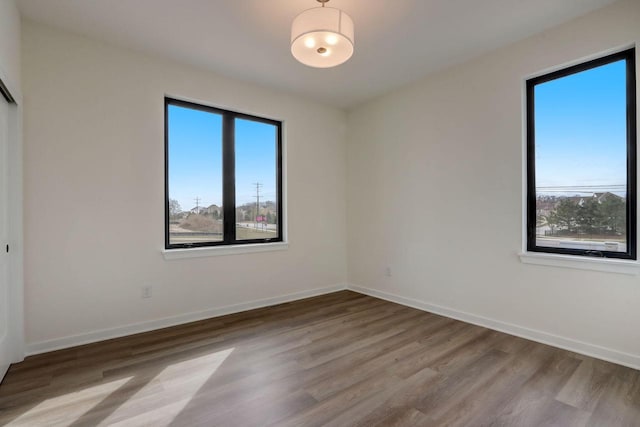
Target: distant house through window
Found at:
223, 177
581, 159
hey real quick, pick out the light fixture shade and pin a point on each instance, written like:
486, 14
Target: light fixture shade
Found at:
322, 37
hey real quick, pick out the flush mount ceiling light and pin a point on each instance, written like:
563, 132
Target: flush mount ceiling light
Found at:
322, 37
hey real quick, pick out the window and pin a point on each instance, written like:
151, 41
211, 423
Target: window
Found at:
223, 177
581, 159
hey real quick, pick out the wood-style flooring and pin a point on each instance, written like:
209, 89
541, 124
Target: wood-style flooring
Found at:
342, 359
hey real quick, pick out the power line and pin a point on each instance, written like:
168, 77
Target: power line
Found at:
600, 188
582, 186
257, 196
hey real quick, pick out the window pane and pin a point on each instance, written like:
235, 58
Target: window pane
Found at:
195, 176
581, 160
256, 184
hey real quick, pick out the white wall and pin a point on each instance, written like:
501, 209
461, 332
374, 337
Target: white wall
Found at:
10, 44
446, 150
435, 192
94, 192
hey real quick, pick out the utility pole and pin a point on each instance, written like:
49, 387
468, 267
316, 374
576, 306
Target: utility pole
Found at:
257, 196
197, 200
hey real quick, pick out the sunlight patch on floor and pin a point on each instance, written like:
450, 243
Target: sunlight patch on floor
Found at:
70, 406
174, 386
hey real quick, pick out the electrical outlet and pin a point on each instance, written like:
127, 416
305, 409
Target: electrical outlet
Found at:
147, 291
387, 271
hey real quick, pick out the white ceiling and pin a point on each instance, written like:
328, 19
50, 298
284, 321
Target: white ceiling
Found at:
396, 41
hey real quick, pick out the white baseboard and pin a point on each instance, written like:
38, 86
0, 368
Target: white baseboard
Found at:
592, 350
120, 331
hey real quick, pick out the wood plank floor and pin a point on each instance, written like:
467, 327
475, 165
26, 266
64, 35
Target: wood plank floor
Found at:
342, 359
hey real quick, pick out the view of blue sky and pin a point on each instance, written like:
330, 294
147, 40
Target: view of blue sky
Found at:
195, 158
580, 124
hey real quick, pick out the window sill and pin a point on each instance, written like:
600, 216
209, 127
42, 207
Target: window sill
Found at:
171, 254
582, 263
